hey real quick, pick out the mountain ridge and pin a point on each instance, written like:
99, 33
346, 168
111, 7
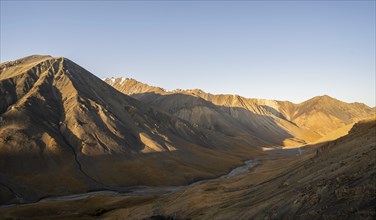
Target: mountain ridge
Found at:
61, 123
63, 130
334, 113
124, 80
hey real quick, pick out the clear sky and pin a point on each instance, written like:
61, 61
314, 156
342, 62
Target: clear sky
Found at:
285, 50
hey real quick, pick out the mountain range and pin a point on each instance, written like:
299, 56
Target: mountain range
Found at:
63, 130
275, 122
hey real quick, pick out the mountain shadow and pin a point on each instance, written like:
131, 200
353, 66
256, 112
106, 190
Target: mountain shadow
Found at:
236, 122
64, 131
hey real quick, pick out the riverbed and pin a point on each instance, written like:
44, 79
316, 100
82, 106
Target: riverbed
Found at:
148, 190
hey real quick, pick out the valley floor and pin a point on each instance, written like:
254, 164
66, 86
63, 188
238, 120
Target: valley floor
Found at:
97, 203
331, 180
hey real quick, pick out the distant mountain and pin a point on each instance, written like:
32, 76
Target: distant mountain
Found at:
63, 130
276, 122
324, 114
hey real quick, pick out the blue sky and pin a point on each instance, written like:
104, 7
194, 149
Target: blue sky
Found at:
284, 50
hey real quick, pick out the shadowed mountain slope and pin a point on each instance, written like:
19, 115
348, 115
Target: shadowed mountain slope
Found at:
63, 130
276, 122
334, 180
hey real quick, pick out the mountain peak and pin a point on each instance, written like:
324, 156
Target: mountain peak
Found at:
193, 91
327, 97
124, 84
25, 60
321, 99
35, 57
121, 80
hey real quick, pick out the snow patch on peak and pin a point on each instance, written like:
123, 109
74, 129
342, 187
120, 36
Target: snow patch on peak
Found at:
107, 79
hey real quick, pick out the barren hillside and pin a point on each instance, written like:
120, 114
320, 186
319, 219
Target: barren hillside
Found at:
63, 130
277, 122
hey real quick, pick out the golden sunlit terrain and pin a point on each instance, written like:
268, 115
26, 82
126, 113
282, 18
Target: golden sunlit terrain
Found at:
75, 146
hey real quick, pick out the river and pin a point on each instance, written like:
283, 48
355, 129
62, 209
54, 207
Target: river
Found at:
148, 190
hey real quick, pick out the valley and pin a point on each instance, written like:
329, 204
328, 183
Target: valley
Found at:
75, 146
280, 188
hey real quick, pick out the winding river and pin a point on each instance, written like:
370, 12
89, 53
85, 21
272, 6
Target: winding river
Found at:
148, 190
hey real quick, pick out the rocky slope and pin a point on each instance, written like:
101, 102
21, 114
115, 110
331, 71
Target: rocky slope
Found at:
276, 122
63, 130
324, 114
334, 180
